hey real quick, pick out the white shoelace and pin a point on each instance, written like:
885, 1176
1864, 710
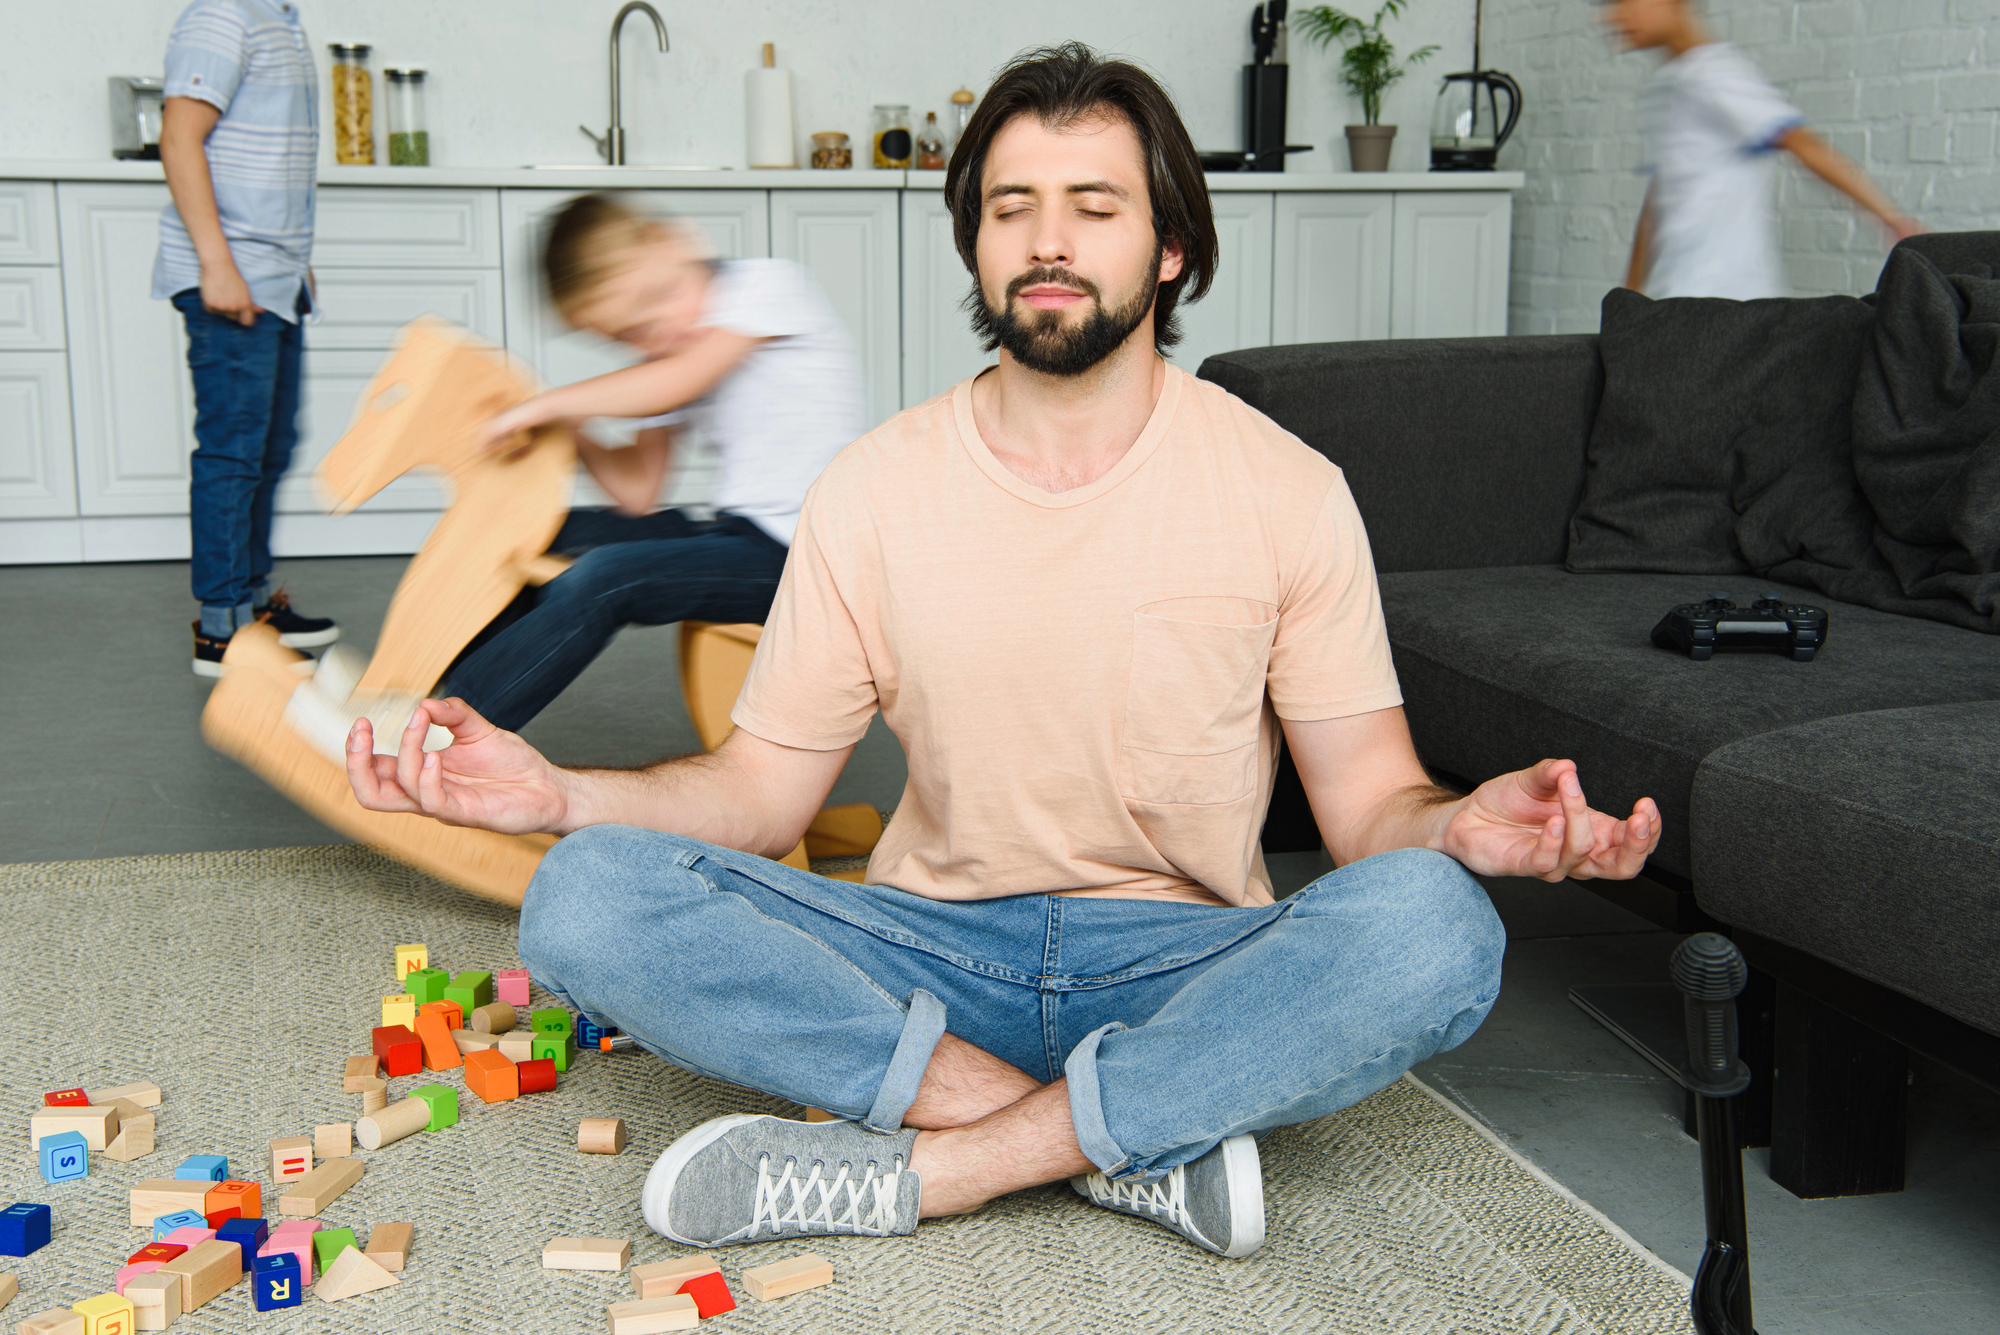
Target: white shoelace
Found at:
1165, 1200
863, 1204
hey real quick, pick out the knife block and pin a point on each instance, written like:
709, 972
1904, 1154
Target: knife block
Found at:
1264, 90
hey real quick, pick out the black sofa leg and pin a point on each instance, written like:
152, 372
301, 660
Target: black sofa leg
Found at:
1839, 1099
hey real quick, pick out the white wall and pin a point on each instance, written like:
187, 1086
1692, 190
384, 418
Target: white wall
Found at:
511, 79
1910, 89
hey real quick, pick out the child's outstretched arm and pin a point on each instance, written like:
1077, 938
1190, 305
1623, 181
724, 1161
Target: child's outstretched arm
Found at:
633, 476
646, 390
1837, 170
1642, 246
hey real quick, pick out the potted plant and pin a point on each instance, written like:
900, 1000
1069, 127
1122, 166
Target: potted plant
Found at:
1368, 67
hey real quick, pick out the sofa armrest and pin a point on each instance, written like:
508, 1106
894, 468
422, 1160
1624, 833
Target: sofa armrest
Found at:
1461, 452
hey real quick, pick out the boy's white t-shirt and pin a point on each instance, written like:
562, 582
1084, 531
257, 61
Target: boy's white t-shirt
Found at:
795, 401
1710, 122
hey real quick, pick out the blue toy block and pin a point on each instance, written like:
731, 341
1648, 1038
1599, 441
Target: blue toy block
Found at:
203, 1168
24, 1228
167, 1223
249, 1234
65, 1157
276, 1283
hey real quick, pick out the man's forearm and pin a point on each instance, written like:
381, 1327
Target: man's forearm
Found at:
709, 797
1413, 816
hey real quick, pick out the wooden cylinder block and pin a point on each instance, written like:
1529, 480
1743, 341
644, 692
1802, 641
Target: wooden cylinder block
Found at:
496, 1018
601, 1135
404, 1118
374, 1094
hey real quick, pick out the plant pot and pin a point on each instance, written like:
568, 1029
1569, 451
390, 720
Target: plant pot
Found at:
1368, 146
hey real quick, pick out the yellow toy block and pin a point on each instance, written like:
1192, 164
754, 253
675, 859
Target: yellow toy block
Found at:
400, 1009
106, 1314
410, 957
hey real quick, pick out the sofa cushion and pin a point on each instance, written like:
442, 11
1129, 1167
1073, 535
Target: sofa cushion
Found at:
1871, 841
1501, 668
1722, 441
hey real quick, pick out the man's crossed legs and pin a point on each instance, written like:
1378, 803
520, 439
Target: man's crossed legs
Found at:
1132, 1046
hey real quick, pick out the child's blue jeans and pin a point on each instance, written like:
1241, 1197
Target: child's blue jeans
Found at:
1177, 1024
246, 411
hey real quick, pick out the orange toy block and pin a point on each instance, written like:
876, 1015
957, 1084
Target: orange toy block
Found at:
492, 1077
246, 1197
453, 1013
440, 1053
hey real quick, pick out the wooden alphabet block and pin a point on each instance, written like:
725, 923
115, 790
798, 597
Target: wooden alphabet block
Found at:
189, 1235
277, 1282
471, 989
66, 1098
710, 1293
426, 984
24, 1228
143, 1092
781, 1279
97, 1125
399, 1050
320, 1188
648, 1316
492, 1077
248, 1234
180, 1221
601, 1135
410, 957
160, 1196
352, 1272
495, 1017
295, 1242
557, 1048
511, 986
63, 1157
518, 1045
246, 1197
155, 1299
106, 1314
334, 1140
55, 1321
202, 1168
389, 1246
550, 1020
440, 1053
453, 1013
586, 1254
359, 1070
217, 1218
291, 1159
399, 1009
662, 1278
205, 1270
537, 1076
443, 1101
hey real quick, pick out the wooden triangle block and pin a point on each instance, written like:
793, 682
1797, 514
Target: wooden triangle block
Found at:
352, 1272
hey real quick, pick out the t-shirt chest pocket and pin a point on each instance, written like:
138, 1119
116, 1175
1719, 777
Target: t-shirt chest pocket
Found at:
1194, 700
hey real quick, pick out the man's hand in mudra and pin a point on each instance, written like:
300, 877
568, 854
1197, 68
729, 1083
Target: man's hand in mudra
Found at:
488, 777
1535, 822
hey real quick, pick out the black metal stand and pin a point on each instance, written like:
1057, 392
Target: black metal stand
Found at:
1710, 972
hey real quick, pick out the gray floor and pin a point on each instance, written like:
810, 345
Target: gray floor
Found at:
100, 731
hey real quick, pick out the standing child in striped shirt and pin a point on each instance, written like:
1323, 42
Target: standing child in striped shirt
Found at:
240, 144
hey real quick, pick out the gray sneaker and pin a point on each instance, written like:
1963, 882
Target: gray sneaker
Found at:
1215, 1202
755, 1178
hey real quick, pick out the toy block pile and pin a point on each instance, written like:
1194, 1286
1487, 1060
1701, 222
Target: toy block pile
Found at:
682, 1293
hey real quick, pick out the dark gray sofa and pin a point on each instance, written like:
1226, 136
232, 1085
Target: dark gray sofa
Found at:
1841, 819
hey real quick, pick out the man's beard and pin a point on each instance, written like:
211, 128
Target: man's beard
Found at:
1040, 342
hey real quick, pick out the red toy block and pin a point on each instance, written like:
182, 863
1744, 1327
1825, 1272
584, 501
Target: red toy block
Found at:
162, 1252
538, 1075
491, 1076
247, 1198
399, 1049
440, 1050
217, 1218
453, 1013
66, 1098
710, 1293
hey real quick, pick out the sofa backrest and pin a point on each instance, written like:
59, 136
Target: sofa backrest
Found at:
1956, 252
1461, 452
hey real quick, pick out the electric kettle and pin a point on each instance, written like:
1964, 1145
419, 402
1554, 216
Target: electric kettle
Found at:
1466, 129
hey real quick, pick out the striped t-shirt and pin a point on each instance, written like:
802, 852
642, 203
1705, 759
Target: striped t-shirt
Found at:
249, 59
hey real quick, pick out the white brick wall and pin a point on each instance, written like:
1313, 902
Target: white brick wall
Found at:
1910, 89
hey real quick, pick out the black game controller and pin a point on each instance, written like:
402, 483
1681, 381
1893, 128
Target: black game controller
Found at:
1699, 629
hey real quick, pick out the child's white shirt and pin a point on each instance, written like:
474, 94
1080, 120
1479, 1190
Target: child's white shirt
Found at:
1710, 122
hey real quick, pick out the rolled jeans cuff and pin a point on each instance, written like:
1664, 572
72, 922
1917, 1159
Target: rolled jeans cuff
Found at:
220, 621
923, 1026
1086, 1107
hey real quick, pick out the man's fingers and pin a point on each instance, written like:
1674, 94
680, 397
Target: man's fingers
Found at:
1580, 835
1545, 861
410, 750
430, 785
372, 787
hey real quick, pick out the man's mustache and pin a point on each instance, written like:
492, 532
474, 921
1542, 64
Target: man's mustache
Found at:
1050, 274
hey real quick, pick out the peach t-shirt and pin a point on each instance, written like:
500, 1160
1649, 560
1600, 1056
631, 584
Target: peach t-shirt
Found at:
1087, 684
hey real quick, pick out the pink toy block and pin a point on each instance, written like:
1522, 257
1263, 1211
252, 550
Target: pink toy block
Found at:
189, 1237
133, 1271
512, 986
295, 1241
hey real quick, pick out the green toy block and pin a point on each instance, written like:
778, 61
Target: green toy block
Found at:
426, 984
331, 1242
471, 990
559, 1048
444, 1105
550, 1020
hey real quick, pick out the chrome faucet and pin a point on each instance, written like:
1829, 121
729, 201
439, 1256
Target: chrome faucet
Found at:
612, 144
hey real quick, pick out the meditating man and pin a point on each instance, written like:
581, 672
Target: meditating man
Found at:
1087, 591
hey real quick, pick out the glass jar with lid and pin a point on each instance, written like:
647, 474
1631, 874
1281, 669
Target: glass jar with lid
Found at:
831, 150
409, 132
353, 104
892, 135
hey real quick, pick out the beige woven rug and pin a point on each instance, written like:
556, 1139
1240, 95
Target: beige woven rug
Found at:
239, 981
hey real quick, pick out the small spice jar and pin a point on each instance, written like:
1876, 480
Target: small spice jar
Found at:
409, 134
831, 149
892, 134
353, 104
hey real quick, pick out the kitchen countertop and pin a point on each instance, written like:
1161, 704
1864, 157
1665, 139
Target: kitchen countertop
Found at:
672, 178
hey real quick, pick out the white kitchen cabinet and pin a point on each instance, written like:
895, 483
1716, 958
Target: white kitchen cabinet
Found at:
1330, 280
1236, 313
939, 347
851, 241
369, 227
31, 308
28, 223
134, 405
1449, 270
37, 457
334, 380
362, 309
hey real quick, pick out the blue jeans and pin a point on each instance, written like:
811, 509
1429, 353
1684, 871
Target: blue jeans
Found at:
646, 571
1177, 1025
246, 423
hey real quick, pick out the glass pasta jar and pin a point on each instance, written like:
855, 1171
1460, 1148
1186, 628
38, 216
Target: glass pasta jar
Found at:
353, 104
409, 135
891, 134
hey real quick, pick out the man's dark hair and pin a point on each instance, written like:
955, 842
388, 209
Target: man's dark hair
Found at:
1061, 85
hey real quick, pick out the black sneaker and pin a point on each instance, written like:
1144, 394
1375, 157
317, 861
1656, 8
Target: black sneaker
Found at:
208, 654
295, 631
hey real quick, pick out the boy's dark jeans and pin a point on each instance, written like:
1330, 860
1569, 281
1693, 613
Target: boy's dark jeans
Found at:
645, 571
246, 409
